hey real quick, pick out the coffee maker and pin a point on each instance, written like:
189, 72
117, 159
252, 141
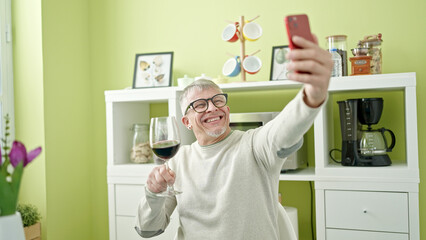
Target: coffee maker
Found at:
361, 144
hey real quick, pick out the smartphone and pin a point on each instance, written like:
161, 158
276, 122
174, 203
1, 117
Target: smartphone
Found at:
297, 25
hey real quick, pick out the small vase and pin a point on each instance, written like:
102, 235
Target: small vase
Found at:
11, 227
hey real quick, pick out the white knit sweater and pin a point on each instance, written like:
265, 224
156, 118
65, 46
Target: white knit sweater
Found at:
230, 188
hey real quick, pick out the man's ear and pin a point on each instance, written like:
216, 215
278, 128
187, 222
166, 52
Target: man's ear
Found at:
185, 121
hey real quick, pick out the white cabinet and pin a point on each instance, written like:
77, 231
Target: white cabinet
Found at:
123, 207
369, 202
351, 202
126, 180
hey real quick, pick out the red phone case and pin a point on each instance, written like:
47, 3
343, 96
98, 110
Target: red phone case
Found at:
297, 25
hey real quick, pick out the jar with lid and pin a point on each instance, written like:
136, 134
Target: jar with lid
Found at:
339, 42
141, 152
374, 45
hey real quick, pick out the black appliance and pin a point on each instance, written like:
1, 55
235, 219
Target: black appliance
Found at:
361, 144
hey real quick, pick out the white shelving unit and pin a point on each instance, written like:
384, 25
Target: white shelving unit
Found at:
368, 202
365, 196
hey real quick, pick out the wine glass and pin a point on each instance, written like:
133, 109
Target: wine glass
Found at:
165, 142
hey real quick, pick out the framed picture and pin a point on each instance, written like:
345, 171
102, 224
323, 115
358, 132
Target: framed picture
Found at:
153, 70
279, 63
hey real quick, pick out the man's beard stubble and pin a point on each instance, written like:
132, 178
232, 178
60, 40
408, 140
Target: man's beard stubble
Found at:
217, 133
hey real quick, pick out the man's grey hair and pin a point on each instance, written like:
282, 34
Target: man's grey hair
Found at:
199, 85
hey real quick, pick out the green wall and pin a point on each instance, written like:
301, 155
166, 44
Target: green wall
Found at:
53, 109
78, 49
67, 102
29, 109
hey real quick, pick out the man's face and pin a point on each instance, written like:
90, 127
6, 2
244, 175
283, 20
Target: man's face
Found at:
210, 126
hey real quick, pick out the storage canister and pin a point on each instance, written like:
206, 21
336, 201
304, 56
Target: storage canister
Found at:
141, 151
339, 42
374, 45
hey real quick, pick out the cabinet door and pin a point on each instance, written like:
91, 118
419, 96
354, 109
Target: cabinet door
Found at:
337, 234
375, 211
126, 230
127, 199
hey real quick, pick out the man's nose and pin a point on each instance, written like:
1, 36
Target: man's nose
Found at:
211, 107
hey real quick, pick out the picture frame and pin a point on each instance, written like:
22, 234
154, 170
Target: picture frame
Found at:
279, 63
153, 70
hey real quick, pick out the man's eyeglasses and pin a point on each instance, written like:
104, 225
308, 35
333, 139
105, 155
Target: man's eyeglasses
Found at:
201, 105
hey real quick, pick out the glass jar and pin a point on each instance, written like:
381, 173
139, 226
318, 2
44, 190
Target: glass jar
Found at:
141, 152
339, 42
374, 45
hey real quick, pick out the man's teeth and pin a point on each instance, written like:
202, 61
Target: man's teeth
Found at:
213, 119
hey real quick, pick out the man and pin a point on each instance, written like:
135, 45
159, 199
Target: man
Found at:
229, 179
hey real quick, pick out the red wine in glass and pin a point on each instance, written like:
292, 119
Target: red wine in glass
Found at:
166, 149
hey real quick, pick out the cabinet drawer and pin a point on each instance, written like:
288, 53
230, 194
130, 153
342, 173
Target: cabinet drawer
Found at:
127, 199
376, 211
337, 234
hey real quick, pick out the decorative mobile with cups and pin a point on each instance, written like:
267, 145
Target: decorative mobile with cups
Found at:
251, 64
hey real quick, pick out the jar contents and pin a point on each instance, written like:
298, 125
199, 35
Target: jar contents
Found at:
141, 152
339, 43
374, 45
337, 63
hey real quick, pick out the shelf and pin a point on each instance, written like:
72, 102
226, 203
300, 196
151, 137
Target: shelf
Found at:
327, 128
373, 82
132, 170
160, 94
259, 86
397, 172
303, 174
348, 83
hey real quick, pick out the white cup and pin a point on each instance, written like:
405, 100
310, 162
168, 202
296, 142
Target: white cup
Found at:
231, 32
185, 81
252, 64
252, 31
232, 68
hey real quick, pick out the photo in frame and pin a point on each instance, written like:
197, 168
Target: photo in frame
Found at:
153, 70
279, 63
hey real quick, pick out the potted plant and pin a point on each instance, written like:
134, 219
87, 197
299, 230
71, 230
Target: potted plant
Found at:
12, 163
30, 220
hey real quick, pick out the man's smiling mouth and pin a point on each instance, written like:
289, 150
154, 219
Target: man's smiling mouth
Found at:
213, 119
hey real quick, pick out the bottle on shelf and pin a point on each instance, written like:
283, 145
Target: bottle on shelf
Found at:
337, 63
339, 42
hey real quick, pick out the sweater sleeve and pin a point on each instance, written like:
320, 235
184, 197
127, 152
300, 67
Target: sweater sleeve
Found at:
153, 214
284, 134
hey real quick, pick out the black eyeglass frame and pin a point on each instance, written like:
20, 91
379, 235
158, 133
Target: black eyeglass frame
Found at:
191, 105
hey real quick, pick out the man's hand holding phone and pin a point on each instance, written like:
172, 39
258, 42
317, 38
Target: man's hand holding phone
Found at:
310, 64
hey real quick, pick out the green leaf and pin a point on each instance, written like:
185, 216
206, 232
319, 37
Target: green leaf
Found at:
8, 197
4, 167
29, 213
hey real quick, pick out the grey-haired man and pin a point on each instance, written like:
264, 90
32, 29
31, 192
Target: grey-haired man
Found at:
230, 178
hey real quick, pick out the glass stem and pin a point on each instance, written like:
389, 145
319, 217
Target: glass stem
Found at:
169, 186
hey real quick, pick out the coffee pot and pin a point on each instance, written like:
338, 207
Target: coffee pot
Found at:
373, 142
360, 146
